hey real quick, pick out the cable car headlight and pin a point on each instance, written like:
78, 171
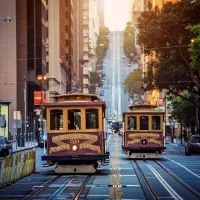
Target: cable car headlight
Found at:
144, 142
74, 147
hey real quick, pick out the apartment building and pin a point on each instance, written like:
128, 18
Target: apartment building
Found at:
101, 12
22, 55
8, 57
85, 34
93, 33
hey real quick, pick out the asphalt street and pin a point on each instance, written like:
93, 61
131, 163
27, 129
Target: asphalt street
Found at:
116, 70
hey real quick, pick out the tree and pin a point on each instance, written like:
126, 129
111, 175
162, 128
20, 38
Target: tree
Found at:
133, 82
102, 43
103, 30
184, 111
95, 78
166, 35
129, 41
194, 48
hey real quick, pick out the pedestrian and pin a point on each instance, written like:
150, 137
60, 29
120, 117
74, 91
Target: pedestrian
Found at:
38, 134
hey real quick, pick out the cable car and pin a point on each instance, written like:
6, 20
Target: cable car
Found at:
143, 131
76, 140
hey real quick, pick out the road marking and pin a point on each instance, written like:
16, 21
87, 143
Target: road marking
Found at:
182, 166
108, 139
174, 144
111, 186
119, 81
113, 75
173, 193
115, 177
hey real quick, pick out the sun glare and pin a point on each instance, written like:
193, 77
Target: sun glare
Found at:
116, 14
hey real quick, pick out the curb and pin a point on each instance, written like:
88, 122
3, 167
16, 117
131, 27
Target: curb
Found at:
25, 149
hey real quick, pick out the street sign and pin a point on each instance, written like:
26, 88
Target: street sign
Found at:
169, 105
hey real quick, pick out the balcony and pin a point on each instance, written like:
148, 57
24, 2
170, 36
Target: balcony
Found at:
85, 34
85, 22
85, 71
85, 81
85, 41
85, 7
85, 57
85, 49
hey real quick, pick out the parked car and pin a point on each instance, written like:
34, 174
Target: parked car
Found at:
5, 147
193, 145
129, 64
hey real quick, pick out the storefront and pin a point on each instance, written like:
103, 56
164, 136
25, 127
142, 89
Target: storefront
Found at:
4, 118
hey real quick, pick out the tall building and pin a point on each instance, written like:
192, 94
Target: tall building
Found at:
64, 49
23, 55
31, 53
101, 12
58, 47
85, 34
131, 3
93, 33
8, 57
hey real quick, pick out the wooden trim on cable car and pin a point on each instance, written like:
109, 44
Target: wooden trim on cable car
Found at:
83, 120
138, 122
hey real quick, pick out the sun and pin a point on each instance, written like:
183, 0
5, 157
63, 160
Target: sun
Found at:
116, 14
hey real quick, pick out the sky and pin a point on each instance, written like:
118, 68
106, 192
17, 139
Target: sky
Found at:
116, 14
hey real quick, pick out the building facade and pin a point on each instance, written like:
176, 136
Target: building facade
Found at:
85, 34
93, 33
8, 57
23, 55
101, 12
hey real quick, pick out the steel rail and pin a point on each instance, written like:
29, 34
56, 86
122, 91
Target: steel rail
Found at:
79, 191
187, 187
61, 189
150, 194
53, 179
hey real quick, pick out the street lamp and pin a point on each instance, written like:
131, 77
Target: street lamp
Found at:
6, 18
41, 79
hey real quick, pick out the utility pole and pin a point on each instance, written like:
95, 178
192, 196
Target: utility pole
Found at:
25, 106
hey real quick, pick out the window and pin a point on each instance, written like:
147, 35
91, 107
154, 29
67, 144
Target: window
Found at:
74, 119
156, 123
132, 123
56, 119
92, 120
144, 120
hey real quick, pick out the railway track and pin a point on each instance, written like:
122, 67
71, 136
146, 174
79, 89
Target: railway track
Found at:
159, 182
70, 187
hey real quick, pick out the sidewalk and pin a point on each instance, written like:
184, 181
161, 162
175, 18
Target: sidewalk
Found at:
28, 145
176, 142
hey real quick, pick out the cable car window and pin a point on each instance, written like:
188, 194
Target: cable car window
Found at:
92, 119
144, 123
56, 119
132, 123
155, 122
74, 119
